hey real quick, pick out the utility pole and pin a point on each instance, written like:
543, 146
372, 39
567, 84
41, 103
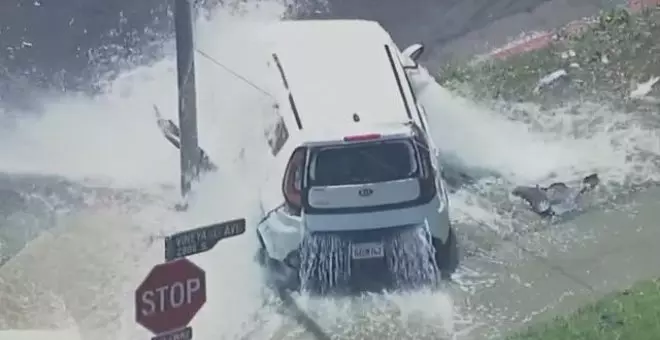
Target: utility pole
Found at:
185, 57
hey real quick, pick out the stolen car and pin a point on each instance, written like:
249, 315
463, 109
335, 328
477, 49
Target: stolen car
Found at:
354, 200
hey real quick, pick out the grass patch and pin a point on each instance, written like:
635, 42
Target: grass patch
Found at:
607, 59
630, 314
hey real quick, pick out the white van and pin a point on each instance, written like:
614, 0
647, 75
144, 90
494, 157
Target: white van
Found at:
355, 185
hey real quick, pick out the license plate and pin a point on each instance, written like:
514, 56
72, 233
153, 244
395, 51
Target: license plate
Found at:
370, 250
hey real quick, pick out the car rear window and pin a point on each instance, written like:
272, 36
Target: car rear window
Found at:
362, 163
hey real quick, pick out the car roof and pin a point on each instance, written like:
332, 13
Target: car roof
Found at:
338, 68
331, 136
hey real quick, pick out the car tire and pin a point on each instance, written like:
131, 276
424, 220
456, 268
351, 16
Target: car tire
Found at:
262, 255
446, 255
271, 268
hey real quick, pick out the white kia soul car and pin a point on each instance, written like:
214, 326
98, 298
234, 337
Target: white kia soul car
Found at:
354, 200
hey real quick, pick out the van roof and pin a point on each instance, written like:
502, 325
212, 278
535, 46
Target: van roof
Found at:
338, 68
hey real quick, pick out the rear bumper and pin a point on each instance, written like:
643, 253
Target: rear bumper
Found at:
354, 262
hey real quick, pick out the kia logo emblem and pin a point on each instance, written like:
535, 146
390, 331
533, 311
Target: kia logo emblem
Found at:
365, 192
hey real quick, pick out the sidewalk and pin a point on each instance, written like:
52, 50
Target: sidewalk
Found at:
560, 269
39, 334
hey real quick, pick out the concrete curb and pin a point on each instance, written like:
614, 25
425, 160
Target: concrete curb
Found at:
539, 40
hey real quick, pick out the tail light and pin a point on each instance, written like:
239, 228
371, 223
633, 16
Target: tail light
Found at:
358, 138
291, 183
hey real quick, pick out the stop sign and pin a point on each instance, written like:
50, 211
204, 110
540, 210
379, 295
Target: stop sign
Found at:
170, 296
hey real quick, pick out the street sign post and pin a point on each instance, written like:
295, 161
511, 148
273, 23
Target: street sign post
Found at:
170, 296
201, 239
174, 291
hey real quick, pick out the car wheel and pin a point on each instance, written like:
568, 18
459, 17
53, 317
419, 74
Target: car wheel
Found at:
446, 255
262, 255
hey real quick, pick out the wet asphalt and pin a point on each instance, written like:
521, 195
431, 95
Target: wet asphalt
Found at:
64, 44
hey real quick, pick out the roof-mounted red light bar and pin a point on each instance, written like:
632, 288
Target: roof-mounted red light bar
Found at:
358, 138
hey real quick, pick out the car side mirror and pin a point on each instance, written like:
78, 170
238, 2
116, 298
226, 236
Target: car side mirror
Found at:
412, 54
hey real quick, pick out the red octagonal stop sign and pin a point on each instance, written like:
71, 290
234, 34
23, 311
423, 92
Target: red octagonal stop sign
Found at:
170, 296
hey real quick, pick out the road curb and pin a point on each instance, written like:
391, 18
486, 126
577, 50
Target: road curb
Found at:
540, 39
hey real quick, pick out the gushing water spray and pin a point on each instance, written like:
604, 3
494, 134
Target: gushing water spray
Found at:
410, 257
325, 259
408, 260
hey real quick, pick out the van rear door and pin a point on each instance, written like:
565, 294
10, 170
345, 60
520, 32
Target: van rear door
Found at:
362, 177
